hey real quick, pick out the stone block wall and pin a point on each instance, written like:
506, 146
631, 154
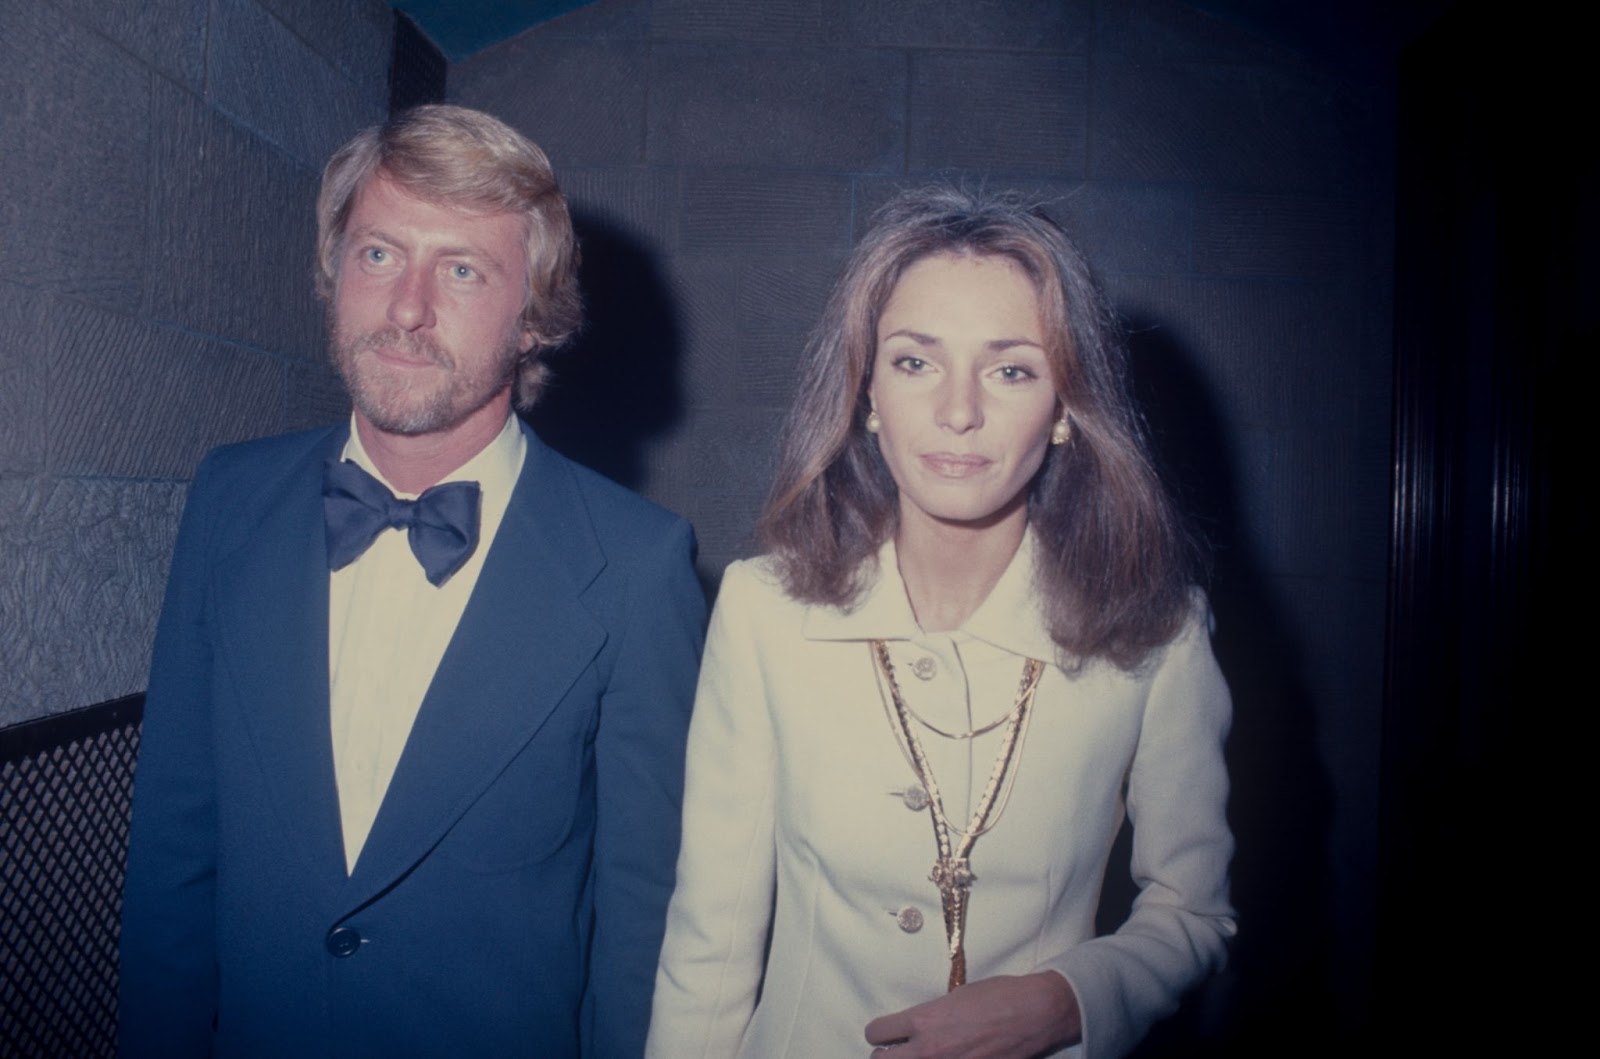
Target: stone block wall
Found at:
160, 162
1234, 193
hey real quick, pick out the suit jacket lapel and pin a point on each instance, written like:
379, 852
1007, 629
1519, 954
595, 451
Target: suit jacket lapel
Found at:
522, 641
273, 625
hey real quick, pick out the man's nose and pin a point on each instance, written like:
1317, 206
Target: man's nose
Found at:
411, 307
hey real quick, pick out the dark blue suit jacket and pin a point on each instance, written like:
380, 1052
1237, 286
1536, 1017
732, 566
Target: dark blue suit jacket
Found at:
510, 898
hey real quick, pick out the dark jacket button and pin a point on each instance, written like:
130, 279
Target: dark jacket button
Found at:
343, 941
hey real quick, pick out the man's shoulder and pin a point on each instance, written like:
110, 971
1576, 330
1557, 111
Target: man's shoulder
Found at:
276, 452
246, 475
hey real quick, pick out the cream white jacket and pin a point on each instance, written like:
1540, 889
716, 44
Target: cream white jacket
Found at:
797, 825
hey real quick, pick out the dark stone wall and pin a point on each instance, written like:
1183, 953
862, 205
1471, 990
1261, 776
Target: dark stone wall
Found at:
159, 165
1235, 194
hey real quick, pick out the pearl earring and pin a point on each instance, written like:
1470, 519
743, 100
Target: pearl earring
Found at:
873, 422
1061, 432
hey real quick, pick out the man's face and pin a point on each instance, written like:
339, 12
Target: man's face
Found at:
427, 314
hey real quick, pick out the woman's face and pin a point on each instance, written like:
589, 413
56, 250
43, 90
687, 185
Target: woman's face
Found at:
962, 387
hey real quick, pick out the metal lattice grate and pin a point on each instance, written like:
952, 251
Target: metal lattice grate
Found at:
65, 793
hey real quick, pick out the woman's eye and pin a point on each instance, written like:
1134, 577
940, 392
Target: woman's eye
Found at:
909, 364
1015, 373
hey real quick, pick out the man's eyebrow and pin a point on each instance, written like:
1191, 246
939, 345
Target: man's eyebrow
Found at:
369, 232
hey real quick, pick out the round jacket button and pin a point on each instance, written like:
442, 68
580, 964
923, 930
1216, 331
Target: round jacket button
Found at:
343, 941
925, 667
909, 918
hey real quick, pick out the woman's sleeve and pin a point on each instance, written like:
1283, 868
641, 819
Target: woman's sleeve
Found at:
717, 924
1182, 921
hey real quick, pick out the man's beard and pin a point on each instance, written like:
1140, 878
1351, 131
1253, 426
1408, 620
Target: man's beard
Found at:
397, 402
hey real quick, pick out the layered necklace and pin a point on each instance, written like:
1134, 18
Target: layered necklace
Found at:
952, 871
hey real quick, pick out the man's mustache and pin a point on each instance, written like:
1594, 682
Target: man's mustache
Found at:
405, 343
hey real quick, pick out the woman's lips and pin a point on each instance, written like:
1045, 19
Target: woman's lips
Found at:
955, 465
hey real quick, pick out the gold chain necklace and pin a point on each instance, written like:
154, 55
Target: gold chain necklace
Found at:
971, 733
952, 872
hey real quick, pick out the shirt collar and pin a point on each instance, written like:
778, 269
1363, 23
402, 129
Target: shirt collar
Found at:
882, 613
495, 468
1009, 618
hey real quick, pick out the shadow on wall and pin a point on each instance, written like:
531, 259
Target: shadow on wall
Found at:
1275, 993
616, 386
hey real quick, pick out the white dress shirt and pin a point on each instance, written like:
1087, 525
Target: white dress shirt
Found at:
388, 627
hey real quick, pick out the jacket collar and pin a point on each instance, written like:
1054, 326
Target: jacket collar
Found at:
523, 641
1009, 618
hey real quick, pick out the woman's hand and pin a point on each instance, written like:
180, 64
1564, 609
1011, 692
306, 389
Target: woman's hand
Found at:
1004, 1017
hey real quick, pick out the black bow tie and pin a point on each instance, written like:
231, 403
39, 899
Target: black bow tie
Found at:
441, 524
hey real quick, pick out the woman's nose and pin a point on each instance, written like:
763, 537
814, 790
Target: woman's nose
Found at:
961, 405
